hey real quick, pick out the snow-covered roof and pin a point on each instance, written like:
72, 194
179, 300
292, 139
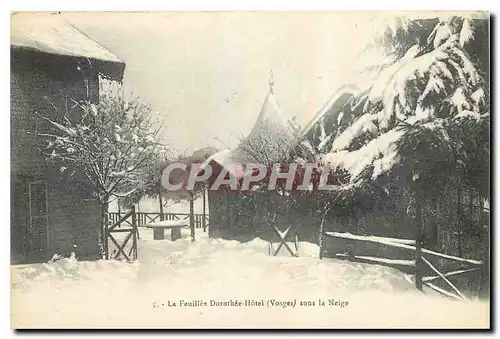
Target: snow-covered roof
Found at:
271, 131
270, 119
231, 160
50, 33
219, 157
337, 100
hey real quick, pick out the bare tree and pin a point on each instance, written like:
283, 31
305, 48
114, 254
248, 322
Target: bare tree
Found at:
269, 147
110, 144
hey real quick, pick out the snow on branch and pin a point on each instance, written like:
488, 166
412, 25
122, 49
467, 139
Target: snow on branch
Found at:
419, 107
112, 143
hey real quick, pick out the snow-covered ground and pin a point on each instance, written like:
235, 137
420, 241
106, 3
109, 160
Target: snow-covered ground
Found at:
150, 205
69, 293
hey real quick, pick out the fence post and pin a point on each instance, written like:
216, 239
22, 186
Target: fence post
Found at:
484, 281
321, 244
418, 239
322, 229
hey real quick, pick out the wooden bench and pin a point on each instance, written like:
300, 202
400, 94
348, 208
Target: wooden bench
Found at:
174, 226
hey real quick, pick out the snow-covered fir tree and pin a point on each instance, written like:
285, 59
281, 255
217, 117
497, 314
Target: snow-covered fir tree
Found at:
427, 105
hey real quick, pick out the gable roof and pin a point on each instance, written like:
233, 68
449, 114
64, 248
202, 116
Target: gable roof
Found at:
50, 33
333, 105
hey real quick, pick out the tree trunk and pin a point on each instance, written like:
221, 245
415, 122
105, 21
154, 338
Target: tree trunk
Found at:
439, 226
471, 206
102, 231
191, 215
459, 219
160, 200
204, 212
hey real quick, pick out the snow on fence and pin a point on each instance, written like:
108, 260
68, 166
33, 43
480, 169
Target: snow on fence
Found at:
402, 254
144, 218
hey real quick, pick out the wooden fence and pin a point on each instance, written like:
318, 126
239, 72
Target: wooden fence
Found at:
403, 254
144, 218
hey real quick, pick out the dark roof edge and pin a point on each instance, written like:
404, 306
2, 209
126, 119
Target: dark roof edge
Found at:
117, 74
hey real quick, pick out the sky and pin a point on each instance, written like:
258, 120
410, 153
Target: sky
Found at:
206, 73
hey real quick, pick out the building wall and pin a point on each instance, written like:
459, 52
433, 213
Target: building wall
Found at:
74, 221
38, 83
238, 216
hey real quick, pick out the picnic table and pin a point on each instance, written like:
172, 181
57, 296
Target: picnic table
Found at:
174, 226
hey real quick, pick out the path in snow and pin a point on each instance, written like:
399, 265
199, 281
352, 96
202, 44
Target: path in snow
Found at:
69, 293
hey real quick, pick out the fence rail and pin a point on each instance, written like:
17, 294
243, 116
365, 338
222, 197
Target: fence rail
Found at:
144, 218
403, 255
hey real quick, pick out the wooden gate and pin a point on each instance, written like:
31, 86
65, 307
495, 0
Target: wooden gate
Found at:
119, 235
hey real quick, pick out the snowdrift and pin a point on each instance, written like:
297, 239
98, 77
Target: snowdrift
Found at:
70, 293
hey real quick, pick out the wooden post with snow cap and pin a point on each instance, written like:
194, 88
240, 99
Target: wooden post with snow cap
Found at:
322, 230
418, 239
